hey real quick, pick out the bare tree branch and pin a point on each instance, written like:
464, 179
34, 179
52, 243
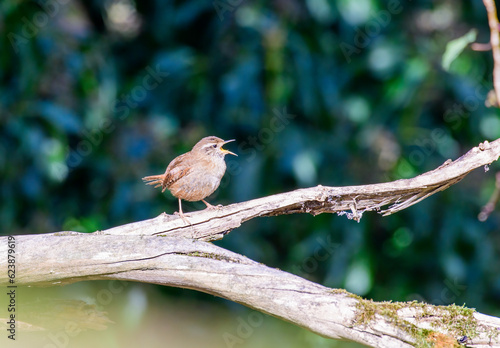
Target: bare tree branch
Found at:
53, 260
490, 206
493, 98
209, 225
165, 251
476, 46
495, 44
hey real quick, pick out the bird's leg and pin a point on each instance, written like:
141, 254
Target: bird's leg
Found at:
210, 206
181, 214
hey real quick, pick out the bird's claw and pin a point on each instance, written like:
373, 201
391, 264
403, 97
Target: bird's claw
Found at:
183, 217
213, 207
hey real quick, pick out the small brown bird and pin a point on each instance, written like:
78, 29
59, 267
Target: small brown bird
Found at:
196, 174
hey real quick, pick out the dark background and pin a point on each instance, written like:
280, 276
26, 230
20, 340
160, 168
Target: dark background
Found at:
94, 95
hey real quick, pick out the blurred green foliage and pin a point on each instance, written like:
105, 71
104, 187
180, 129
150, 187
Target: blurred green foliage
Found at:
94, 95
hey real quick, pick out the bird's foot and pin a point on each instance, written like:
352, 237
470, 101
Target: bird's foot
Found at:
183, 217
210, 206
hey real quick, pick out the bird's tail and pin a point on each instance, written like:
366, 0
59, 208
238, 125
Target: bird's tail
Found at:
157, 180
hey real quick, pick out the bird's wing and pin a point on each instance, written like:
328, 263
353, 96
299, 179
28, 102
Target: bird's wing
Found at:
178, 168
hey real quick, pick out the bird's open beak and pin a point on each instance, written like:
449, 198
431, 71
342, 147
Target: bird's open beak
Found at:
227, 151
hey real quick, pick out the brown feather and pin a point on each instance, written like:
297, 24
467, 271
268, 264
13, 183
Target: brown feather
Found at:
178, 168
154, 180
196, 174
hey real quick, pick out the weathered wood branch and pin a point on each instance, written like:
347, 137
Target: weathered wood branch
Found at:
60, 259
495, 47
209, 225
165, 251
495, 44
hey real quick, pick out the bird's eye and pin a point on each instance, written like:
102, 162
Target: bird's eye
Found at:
214, 146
